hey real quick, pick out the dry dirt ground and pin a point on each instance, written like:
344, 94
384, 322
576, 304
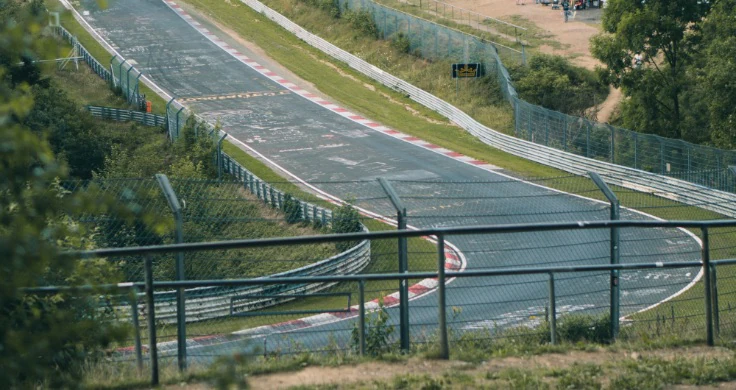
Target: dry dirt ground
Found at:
574, 36
382, 374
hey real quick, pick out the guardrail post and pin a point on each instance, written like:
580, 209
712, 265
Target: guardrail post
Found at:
181, 333
615, 255
151, 308
219, 156
112, 77
552, 310
127, 83
705, 255
120, 74
361, 316
403, 265
177, 122
136, 329
716, 309
444, 348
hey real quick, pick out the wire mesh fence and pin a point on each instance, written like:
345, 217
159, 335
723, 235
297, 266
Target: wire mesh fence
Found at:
284, 319
696, 163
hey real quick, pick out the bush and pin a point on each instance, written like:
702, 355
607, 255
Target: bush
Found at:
345, 219
292, 208
575, 328
553, 82
378, 332
363, 22
401, 43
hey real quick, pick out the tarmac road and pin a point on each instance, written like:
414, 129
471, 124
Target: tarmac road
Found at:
320, 146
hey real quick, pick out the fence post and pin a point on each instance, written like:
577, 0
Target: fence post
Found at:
403, 264
127, 83
136, 329
177, 122
716, 309
552, 310
181, 333
361, 316
219, 157
444, 350
120, 74
615, 252
151, 308
705, 255
112, 77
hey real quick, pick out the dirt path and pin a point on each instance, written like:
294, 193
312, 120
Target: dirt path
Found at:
385, 372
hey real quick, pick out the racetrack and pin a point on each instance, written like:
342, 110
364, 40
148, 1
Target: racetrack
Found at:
317, 143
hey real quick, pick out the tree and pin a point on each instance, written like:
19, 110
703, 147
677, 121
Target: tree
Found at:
715, 76
662, 32
43, 338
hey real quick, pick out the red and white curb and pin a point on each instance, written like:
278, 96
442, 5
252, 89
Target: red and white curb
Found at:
318, 100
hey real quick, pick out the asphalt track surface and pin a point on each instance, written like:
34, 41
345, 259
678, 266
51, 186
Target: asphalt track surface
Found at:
319, 146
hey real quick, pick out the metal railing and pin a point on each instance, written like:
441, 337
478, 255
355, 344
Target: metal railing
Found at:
555, 279
122, 115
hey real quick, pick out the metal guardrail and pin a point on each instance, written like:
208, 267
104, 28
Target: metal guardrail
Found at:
121, 115
679, 190
205, 303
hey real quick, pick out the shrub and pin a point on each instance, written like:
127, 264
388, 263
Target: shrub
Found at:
378, 332
575, 328
401, 43
362, 21
345, 219
292, 208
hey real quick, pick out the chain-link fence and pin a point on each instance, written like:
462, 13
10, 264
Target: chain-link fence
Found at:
696, 163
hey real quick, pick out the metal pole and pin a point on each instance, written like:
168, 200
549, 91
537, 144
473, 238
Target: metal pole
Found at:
444, 352
120, 74
614, 253
181, 333
361, 316
127, 82
112, 69
219, 157
552, 310
177, 122
705, 254
168, 121
403, 265
136, 329
152, 347
716, 309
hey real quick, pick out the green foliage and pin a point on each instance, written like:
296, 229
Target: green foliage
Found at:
292, 209
331, 7
661, 31
362, 21
577, 328
345, 219
43, 338
716, 69
378, 332
401, 43
553, 82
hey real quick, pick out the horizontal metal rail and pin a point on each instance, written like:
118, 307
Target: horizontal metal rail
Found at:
482, 229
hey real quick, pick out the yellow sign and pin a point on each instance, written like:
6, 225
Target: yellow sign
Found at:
465, 70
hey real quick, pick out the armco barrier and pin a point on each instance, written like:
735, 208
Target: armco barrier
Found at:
692, 194
120, 115
211, 302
